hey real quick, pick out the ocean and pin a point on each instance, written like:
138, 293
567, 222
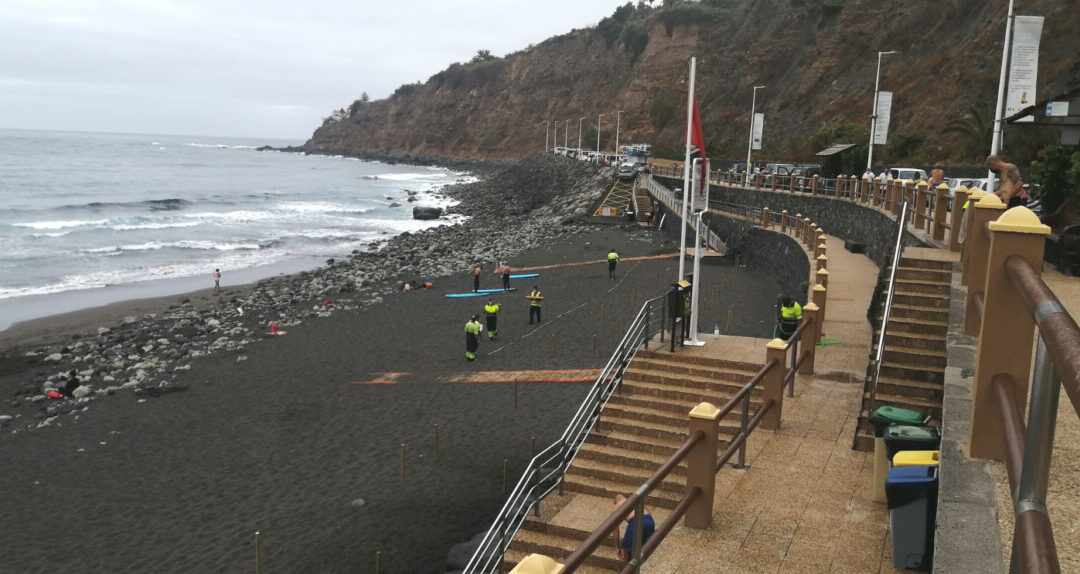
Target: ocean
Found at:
97, 215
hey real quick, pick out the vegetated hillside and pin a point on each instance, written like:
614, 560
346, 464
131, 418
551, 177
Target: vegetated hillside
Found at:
817, 57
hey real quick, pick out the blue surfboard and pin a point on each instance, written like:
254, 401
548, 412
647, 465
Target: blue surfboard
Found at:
479, 293
525, 276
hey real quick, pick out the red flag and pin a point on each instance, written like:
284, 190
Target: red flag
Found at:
697, 139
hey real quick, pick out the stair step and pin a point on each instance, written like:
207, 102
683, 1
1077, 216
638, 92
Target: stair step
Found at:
626, 456
632, 476
707, 361
630, 441
608, 489
913, 372
926, 406
920, 312
904, 297
924, 263
912, 325
659, 366
904, 273
656, 412
911, 389
913, 340
635, 374
530, 541
673, 391
922, 287
673, 407
916, 357
643, 429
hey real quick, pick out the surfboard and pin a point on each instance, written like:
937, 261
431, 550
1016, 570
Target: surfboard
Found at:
525, 276
479, 293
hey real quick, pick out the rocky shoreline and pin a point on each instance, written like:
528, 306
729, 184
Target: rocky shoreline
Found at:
511, 209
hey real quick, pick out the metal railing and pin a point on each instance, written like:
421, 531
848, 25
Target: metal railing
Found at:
546, 470
875, 365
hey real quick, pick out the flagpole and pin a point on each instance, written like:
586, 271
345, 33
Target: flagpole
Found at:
999, 111
695, 288
687, 192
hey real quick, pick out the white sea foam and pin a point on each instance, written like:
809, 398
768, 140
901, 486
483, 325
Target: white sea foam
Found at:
156, 245
61, 224
409, 176
140, 226
221, 146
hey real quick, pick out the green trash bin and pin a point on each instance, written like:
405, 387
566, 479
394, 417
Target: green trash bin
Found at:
908, 437
881, 419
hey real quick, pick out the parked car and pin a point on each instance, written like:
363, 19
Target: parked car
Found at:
804, 175
626, 171
906, 174
954, 183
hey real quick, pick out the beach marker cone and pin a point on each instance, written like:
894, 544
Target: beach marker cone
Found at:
273, 328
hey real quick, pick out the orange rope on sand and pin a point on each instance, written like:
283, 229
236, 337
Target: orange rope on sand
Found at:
385, 378
579, 263
540, 376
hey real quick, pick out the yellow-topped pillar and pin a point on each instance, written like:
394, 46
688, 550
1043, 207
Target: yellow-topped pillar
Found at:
822, 277
773, 385
537, 564
822, 261
986, 210
941, 210
921, 194
701, 464
1007, 328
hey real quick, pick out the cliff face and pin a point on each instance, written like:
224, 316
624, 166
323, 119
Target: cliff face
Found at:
817, 61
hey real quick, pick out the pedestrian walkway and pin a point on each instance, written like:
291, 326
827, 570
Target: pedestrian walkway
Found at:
616, 200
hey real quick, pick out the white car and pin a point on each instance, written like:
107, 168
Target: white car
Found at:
626, 171
907, 173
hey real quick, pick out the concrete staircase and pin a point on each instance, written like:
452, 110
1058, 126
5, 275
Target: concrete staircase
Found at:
644, 423
642, 205
913, 363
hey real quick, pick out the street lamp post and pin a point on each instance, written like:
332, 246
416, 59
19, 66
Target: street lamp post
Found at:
555, 140
618, 119
598, 118
581, 119
750, 146
566, 134
547, 134
873, 118
999, 109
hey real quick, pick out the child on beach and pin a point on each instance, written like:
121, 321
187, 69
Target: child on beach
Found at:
217, 279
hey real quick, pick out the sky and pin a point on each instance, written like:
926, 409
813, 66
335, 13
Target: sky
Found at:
244, 68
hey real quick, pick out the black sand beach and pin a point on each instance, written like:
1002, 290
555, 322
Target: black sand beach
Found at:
293, 442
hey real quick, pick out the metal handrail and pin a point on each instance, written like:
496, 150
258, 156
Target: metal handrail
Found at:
898, 249
546, 470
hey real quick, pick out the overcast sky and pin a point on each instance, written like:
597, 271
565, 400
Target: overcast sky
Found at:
259, 68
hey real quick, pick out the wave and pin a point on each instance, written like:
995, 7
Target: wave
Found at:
140, 226
61, 224
167, 204
406, 176
157, 245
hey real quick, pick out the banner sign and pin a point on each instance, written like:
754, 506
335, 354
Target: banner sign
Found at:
759, 126
1057, 109
1023, 64
884, 111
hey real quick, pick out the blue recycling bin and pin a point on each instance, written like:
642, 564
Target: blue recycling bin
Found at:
912, 496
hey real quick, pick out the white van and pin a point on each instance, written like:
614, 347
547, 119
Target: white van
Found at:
907, 173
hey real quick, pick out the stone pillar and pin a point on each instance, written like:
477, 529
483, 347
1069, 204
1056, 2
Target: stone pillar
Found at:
856, 190
822, 277
805, 230
822, 261
920, 192
811, 235
796, 226
773, 385
1008, 328
976, 195
941, 210
783, 221
817, 296
814, 185
875, 192
840, 181
765, 217
987, 209
772, 181
819, 250
809, 338
701, 465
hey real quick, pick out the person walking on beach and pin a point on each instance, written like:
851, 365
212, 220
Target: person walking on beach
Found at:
472, 338
476, 273
612, 261
217, 279
536, 300
505, 269
492, 311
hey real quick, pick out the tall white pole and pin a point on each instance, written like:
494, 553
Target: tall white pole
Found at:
579, 133
873, 117
598, 118
566, 134
750, 145
999, 111
696, 286
555, 140
547, 134
686, 169
618, 120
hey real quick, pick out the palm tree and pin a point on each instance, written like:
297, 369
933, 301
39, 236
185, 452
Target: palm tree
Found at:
976, 131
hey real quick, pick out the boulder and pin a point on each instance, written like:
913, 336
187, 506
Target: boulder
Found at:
426, 212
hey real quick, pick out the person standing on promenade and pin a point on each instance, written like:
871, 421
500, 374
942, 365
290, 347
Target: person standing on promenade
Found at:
492, 311
790, 317
536, 301
472, 338
1010, 187
476, 273
612, 262
217, 279
937, 176
505, 270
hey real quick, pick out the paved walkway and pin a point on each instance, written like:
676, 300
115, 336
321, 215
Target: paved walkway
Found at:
805, 502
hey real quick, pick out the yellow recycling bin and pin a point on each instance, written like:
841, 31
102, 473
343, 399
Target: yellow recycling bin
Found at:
916, 458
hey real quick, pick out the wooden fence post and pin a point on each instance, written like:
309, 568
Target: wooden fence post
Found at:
701, 465
957, 218
773, 385
987, 209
